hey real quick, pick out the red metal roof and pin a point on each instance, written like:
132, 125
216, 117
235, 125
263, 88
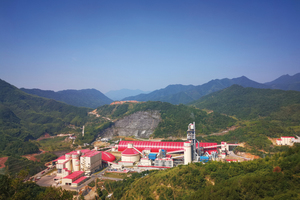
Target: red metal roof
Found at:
108, 157
168, 146
129, 151
61, 158
91, 154
287, 137
73, 175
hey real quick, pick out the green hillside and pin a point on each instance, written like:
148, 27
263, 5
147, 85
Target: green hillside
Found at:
247, 103
90, 98
277, 177
175, 118
24, 117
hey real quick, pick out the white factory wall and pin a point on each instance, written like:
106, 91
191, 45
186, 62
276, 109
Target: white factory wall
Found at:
132, 158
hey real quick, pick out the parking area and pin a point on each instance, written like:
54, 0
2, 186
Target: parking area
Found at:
46, 181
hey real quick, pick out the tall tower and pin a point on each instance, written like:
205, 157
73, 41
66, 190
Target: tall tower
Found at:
82, 131
191, 136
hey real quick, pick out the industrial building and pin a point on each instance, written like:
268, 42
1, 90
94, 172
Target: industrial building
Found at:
160, 154
74, 167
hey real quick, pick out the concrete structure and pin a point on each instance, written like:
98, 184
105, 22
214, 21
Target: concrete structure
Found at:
187, 153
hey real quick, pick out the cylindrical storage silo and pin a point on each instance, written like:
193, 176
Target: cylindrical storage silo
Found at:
77, 165
187, 153
69, 165
74, 158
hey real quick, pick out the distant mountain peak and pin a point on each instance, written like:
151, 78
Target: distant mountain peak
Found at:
286, 82
91, 98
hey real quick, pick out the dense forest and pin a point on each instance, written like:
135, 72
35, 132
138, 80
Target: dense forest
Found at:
276, 177
248, 103
14, 187
24, 117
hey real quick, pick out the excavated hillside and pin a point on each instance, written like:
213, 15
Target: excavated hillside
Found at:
140, 124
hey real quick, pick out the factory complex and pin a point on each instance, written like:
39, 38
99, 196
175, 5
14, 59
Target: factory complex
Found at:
75, 167
152, 154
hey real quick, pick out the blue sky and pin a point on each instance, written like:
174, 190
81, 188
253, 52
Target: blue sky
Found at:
147, 45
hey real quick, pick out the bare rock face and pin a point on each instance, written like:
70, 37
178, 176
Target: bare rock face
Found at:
140, 124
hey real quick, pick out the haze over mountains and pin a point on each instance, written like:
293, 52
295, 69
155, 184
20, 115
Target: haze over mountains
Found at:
175, 94
123, 93
184, 94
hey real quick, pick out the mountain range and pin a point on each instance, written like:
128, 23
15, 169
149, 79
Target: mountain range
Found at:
286, 82
177, 94
90, 98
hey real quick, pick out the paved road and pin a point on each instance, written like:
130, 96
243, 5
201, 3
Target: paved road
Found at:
110, 178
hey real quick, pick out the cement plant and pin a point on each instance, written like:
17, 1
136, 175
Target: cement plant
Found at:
76, 167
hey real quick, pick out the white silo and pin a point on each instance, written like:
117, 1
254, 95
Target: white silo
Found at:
75, 159
69, 163
77, 165
187, 153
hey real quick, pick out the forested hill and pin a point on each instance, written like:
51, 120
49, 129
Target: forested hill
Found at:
24, 116
249, 103
275, 177
185, 94
90, 98
174, 118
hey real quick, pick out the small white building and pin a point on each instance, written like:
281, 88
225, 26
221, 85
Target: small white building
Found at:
285, 140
